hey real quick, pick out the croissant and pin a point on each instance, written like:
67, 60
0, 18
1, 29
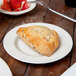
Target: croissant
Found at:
42, 39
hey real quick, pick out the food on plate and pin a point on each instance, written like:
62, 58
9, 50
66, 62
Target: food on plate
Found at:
42, 39
15, 5
6, 1
6, 6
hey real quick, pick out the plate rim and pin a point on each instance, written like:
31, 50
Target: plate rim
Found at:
6, 66
41, 62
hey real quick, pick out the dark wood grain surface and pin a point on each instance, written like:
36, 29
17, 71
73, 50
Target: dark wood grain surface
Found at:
40, 14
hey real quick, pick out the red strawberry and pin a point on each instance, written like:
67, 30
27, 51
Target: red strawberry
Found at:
18, 9
15, 4
6, 6
25, 6
6, 1
23, 0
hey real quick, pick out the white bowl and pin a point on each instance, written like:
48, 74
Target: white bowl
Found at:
32, 6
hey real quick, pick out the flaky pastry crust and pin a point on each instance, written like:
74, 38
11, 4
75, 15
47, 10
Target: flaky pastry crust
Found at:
40, 38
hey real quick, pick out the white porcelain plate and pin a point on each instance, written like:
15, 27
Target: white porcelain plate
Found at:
22, 52
32, 6
4, 69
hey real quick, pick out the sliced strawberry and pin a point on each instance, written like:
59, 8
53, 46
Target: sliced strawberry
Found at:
17, 10
23, 0
25, 6
15, 4
6, 6
6, 1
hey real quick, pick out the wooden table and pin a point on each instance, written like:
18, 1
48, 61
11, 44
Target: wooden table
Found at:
40, 14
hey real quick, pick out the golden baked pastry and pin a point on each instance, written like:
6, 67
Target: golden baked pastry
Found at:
40, 38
